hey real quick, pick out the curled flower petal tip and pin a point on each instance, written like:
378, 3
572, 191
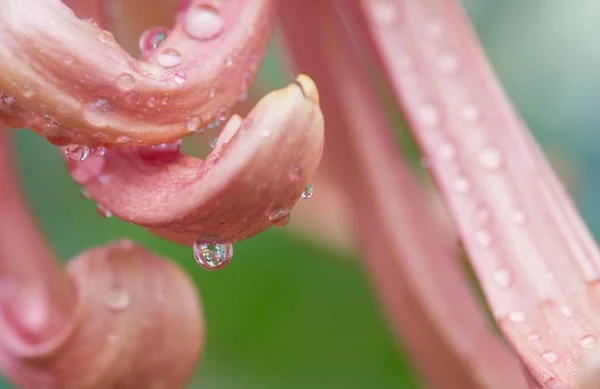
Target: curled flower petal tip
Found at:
251, 180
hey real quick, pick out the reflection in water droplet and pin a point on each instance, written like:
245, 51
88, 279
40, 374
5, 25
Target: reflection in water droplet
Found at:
502, 277
550, 356
490, 158
169, 58
588, 342
280, 217
516, 317
117, 299
77, 153
212, 256
203, 22
125, 82
308, 192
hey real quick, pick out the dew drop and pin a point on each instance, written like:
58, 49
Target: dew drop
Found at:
490, 158
96, 112
383, 12
483, 238
470, 112
102, 211
550, 356
98, 151
434, 28
117, 299
461, 184
429, 115
213, 142
27, 90
151, 39
296, 173
203, 22
164, 152
169, 58
519, 217
125, 82
566, 311
193, 123
502, 277
151, 103
85, 193
212, 92
308, 192
516, 317
280, 217
447, 151
534, 336
588, 342
229, 61
124, 139
212, 256
448, 63
77, 153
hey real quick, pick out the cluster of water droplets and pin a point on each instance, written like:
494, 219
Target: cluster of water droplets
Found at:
80, 152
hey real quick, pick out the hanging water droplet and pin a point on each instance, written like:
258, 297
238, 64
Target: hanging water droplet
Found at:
229, 61
490, 158
203, 22
588, 342
516, 317
308, 192
151, 39
550, 356
213, 142
169, 58
212, 256
429, 115
280, 217
102, 211
117, 299
502, 277
125, 82
448, 63
96, 112
193, 123
77, 153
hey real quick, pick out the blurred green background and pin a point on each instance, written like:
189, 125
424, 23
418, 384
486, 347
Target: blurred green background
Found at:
289, 313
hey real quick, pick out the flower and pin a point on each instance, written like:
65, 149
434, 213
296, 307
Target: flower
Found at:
120, 122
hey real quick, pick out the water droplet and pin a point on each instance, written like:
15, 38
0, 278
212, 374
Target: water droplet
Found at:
448, 63
178, 78
280, 217
102, 37
550, 356
77, 152
102, 211
516, 317
383, 12
151, 39
265, 133
151, 102
96, 112
483, 238
519, 217
447, 151
99, 151
125, 82
490, 158
117, 299
193, 123
566, 311
213, 142
222, 113
461, 184
164, 152
429, 115
169, 58
243, 96
27, 90
203, 22
534, 336
588, 342
212, 92
212, 256
502, 277
229, 61
296, 173
85, 193
434, 28
308, 192
123, 139
470, 112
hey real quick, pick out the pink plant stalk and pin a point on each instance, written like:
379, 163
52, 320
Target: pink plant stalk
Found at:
70, 81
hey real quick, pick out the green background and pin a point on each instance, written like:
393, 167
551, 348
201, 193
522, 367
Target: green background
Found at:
289, 313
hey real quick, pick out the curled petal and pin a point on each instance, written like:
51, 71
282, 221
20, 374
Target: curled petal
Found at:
251, 180
70, 81
137, 324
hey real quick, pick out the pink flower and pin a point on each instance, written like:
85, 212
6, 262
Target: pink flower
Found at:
120, 122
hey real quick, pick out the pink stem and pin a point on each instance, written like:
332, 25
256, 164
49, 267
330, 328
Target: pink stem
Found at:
536, 261
420, 280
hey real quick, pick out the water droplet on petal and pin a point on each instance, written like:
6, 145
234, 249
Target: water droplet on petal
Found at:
470, 112
308, 192
102, 211
213, 142
588, 342
203, 22
296, 173
490, 158
447, 151
77, 153
151, 39
483, 238
550, 356
448, 63
96, 112
27, 90
429, 115
212, 92
117, 299
461, 184
566, 311
99, 151
384, 12
169, 58
123, 139
502, 277
151, 102
125, 82
516, 317
280, 217
534, 336
164, 152
212, 256
519, 217
193, 123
